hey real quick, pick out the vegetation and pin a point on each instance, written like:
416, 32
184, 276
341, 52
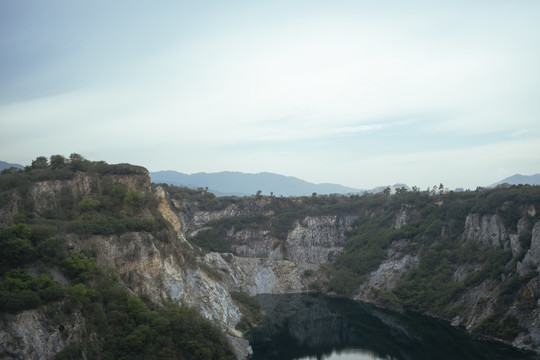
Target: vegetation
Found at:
250, 308
130, 327
118, 324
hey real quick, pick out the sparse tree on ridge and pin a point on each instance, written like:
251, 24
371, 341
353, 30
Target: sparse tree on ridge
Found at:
41, 162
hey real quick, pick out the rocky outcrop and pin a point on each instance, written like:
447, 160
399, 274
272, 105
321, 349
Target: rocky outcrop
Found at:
194, 215
257, 243
262, 276
52, 195
488, 230
164, 270
317, 239
314, 239
36, 335
389, 273
401, 218
531, 261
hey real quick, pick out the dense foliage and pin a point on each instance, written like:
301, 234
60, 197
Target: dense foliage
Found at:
131, 328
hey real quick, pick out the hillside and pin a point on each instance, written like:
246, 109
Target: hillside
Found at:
124, 264
518, 179
242, 184
77, 239
471, 258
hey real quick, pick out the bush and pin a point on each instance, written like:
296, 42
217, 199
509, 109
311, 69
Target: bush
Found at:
20, 291
88, 204
79, 267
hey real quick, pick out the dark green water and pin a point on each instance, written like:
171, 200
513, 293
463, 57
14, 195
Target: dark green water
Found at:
303, 326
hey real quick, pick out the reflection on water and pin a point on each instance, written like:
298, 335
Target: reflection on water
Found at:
303, 326
352, 354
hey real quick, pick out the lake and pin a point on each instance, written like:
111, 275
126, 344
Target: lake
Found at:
308, 326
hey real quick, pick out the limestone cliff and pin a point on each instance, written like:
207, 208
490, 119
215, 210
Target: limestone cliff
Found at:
158, 263
39, 334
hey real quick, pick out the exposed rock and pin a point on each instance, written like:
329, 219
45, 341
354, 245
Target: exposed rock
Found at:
194, 217
318, 239
241, 347
401, 218
531, 261
32, 334
314, 239
256, 243
162, 271
515, 244
488, 230
523, 224
166, 210
261, 276
390, 271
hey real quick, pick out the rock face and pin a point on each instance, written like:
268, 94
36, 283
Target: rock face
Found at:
32, 335
257, 243
318, 240
261, 276
194, 215
391, 270
488, 230
531, 261
161, 270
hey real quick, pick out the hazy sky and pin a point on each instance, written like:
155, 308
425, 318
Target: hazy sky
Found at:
361, 93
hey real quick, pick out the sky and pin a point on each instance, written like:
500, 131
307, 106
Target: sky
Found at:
359, 93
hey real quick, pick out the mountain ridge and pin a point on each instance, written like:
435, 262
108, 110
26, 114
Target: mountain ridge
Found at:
518, 179
242, 184
7, 165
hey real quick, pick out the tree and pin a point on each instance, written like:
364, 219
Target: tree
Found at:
41, 162
77, 162
88, 204
79, 267
134, 199
57, 161
76, 157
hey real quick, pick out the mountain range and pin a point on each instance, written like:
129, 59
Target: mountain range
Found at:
519, 179
242, 184
6, 165
227, 183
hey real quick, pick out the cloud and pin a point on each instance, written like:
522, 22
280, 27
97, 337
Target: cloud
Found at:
353, 91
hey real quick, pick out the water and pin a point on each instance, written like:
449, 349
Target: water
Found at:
315, 327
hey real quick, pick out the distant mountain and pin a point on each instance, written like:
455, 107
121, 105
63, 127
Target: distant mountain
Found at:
6, 165
520, 179
242, 184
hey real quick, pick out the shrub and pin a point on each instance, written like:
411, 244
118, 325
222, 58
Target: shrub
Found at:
79, 267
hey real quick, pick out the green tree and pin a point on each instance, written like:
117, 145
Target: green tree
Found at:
134, 199
88, 204
41, 162
57, 161
77, 162
79, 267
